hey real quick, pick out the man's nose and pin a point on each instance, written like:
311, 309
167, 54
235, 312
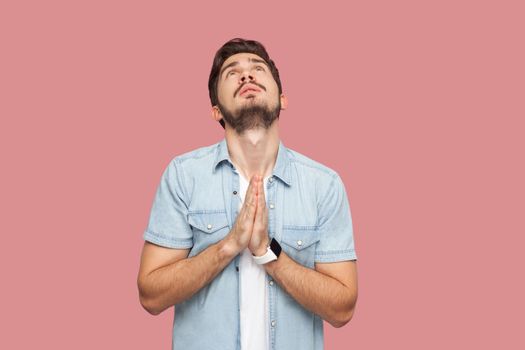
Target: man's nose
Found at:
246, 77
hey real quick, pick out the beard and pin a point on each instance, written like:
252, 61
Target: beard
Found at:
251, 116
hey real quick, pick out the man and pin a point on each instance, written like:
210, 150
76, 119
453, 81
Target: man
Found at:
252, 242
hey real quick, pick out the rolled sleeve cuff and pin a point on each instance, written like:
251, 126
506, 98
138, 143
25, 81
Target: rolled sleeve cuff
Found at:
335, 256
166, 241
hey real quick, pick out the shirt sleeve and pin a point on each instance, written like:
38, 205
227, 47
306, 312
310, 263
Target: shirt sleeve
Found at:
335, 226
168, 221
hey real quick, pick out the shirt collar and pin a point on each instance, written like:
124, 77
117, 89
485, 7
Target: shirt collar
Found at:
281, 169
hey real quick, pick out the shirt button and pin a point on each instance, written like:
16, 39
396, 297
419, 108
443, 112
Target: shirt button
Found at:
272, 206
299, 243
270, 179
234, 192
271, 282
273, 323
209, 226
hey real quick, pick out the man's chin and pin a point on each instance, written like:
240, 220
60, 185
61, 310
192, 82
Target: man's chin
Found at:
253, 100
251, 115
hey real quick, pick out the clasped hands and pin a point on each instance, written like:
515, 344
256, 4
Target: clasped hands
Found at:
251, 226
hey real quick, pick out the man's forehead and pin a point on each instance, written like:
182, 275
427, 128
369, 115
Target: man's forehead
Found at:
243, 56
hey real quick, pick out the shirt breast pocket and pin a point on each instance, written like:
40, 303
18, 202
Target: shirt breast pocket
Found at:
208, 228
299, 243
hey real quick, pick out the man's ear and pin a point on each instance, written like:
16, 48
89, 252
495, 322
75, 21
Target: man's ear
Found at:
216, 113
284, 101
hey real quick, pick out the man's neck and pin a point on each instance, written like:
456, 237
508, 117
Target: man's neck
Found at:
255, 151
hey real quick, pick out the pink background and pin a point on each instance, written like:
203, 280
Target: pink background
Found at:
419, 106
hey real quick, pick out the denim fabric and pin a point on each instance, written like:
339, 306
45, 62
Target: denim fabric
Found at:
196, 204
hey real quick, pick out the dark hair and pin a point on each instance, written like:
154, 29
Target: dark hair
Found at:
232, 47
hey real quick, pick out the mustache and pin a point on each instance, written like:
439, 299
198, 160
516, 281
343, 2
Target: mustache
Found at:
253, 83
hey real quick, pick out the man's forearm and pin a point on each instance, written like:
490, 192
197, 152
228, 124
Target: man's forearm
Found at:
176, 282
317, 292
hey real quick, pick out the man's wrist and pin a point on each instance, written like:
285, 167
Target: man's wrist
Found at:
229, 247
261, 250
272, 266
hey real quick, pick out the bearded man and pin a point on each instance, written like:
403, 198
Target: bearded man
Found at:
250, 241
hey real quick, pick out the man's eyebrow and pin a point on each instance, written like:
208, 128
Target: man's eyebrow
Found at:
235, 63
232, 64
258, 60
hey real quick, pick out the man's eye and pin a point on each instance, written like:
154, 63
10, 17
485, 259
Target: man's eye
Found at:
259, 68
230, 73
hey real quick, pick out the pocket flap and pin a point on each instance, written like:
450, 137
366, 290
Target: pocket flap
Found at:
208, 222
300, 238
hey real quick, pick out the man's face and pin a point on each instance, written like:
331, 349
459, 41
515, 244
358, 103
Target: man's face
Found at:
247, 92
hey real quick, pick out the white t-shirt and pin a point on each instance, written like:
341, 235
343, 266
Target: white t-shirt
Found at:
254, 300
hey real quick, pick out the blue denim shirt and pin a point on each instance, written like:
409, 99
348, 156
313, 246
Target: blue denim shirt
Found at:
196, 204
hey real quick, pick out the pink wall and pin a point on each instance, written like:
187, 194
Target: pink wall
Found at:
426, 103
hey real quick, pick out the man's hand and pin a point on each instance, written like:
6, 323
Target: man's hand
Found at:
259, 240
240, 235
